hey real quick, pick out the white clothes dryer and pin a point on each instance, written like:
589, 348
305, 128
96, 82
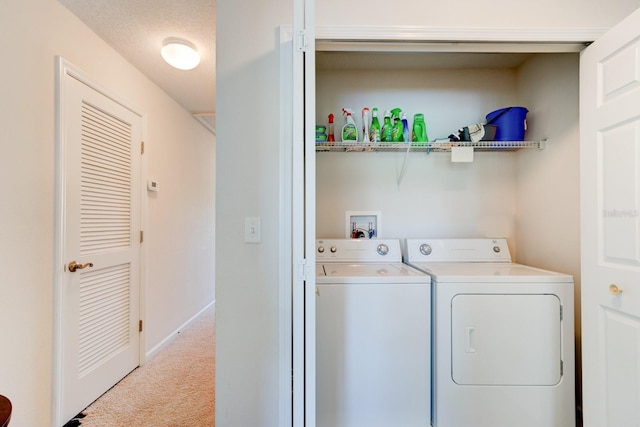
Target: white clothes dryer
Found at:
372, 336
503, 336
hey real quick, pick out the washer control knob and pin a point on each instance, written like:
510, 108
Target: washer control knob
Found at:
496, 249
333, 249
321, 249
425, 249
383, 249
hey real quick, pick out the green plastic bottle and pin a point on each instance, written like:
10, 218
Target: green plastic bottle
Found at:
374, 129
386, 128
419, 129
396, 130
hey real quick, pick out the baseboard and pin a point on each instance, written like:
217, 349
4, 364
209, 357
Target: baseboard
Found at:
175, 333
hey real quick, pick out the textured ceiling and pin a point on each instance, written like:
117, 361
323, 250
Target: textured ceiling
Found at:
137, 28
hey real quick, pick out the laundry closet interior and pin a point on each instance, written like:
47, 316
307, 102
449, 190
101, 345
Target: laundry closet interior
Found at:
527, 195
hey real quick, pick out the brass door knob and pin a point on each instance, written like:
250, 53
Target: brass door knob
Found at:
614, 289
73, 266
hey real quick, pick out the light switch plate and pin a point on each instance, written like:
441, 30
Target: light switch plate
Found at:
252, 230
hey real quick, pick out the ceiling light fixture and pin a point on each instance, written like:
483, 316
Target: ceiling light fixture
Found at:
180, 53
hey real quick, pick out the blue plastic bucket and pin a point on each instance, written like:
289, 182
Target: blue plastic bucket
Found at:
510, 122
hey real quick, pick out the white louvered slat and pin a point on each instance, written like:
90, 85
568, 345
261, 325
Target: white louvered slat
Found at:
105, 206
104, 315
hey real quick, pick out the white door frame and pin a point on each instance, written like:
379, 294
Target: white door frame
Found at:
64, 68
534, 40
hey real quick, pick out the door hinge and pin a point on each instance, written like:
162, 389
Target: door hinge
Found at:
141, 236
561, 313
561, 368
302, 269
302, 40
140, 326
142, 147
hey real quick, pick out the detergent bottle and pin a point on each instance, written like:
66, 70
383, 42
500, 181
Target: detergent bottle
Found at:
396, 130
365, 124
386, 127
374, 129
349, 130
419, 129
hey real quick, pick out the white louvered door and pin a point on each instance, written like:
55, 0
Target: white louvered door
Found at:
100, 302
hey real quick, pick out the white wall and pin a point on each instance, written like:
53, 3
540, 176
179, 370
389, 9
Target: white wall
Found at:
548, 208
248, 172
248, 106
449, 98
475, 14
548, 180
435, 197
180, 232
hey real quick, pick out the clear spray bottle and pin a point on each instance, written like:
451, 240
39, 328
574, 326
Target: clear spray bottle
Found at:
365, 125
405, 128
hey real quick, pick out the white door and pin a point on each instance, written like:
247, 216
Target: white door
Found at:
99, 196
303, 216
610, 193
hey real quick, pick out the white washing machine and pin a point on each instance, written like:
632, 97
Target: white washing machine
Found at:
373, 339
503, 336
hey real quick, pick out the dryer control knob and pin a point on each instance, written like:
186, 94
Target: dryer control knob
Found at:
321, 249
333, 249
496, 249
425, 249
383, 249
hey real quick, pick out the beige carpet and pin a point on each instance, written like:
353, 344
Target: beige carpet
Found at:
174, 388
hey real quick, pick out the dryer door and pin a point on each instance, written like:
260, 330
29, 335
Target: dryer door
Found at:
500, 339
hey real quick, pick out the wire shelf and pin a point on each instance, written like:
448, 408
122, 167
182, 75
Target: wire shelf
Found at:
427, 147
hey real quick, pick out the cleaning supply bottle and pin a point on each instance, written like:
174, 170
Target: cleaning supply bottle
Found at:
419, 129
365, 124
349, 130
330, 135
374, 129
386, 127
405, 128
396, 132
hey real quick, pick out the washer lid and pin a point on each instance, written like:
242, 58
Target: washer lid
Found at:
484, 272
